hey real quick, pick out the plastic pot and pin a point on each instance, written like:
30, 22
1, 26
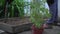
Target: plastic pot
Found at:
36, 30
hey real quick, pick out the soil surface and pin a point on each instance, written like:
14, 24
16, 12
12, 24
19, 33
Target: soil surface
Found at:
16, 21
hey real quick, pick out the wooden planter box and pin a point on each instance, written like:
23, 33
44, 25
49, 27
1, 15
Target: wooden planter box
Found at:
15, 25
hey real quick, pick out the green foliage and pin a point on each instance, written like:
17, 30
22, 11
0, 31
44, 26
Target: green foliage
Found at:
2, 2
39, 13
19, 4
13, 8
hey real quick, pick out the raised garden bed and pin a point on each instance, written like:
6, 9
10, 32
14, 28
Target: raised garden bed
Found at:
15, 25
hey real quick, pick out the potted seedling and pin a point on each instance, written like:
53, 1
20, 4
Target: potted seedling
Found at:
38, 15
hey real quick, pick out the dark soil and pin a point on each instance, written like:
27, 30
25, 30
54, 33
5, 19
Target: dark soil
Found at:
16, 21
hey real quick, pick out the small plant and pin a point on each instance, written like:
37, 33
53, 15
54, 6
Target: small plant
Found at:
38, 12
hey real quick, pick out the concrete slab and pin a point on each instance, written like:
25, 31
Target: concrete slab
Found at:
2, 32
26, 32
55, 30
15, 28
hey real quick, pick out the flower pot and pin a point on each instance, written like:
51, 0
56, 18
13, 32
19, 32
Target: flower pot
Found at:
36, 30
